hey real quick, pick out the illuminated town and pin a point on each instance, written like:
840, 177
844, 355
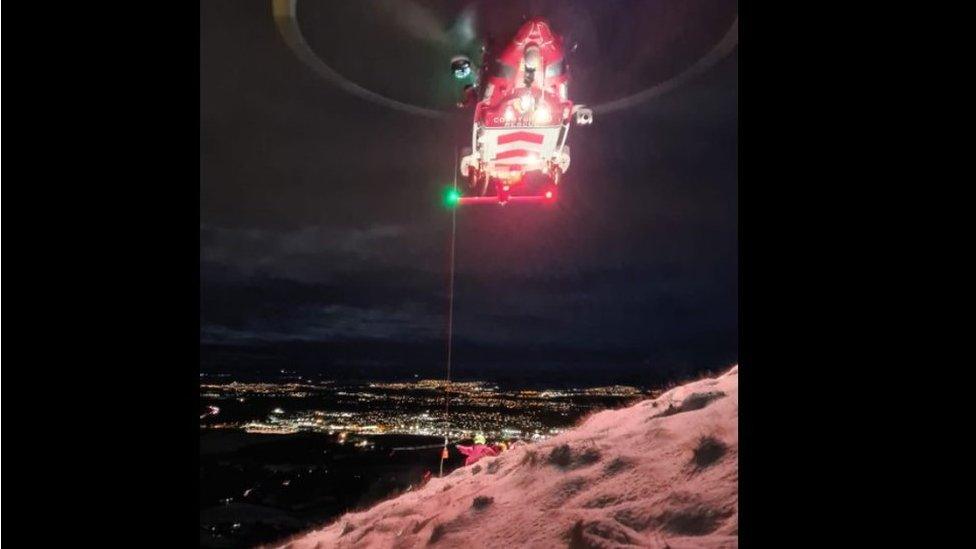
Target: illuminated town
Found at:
403, 408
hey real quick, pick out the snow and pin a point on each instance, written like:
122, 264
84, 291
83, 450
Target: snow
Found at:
661, 473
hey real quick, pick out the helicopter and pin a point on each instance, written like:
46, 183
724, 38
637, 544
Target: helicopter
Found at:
522, 117
519, 91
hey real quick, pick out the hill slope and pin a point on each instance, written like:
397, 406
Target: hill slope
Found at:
661, 473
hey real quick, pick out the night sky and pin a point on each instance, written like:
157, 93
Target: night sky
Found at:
324, 243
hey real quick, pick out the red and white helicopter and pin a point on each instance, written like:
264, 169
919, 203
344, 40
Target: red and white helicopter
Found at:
518, 147
520, 94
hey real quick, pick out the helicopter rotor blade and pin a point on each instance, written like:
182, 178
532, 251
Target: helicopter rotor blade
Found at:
286, 20
720, 51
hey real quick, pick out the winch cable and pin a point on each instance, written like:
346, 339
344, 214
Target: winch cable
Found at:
450, 336
450, 319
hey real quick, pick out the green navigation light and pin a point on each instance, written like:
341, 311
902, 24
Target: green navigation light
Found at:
451, 197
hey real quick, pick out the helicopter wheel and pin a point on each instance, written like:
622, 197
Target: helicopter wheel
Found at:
557, 176
477, 182
480, 183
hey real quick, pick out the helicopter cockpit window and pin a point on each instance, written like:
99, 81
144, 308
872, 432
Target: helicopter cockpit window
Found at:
555, 69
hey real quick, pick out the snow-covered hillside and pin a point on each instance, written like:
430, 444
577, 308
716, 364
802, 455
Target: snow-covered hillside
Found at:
661, 473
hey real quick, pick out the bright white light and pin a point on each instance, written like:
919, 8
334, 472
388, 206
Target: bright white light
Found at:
526, 102
509, 114
542, 115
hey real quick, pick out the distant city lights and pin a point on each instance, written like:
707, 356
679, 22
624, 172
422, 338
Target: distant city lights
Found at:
415, 408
